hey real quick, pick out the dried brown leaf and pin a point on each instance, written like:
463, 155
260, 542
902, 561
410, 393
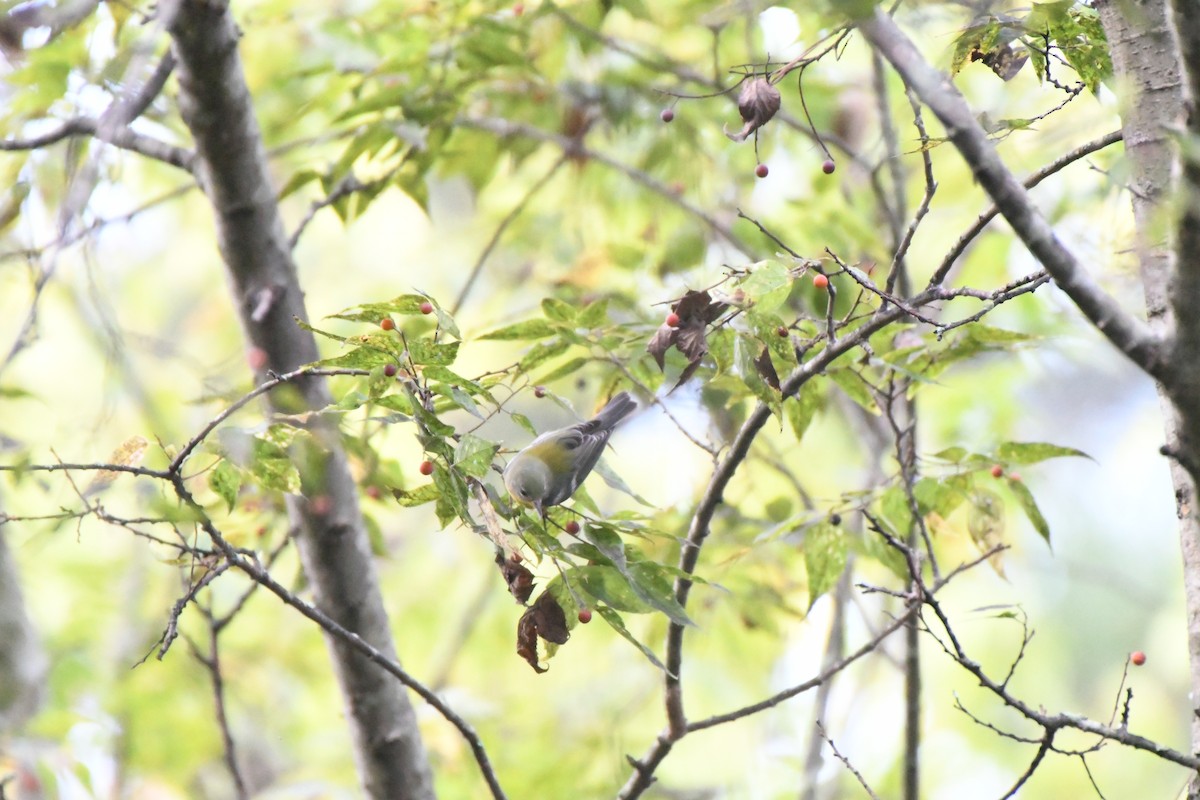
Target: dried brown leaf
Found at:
516, 575
696, 310
545, 618
758, 102
766, 369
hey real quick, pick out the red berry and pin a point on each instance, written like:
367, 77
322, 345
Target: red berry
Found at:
321, 505
426, 468
1014, 476
572, 527
427, 307
667, 115
673, 320
539, 391
387, 323
389, 370
820, 281
828, 167
1138, 658
585, 615
374, 492
518, 9
761, 170
781, 332
997, 470
256, 357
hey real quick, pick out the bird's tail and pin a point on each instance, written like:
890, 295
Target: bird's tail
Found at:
621, 406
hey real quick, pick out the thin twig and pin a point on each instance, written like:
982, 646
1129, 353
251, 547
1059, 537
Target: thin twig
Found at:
512, 214
837, 753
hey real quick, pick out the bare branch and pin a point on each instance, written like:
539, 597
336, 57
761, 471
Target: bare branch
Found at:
1043, 748
513, 213
574, 147
968, 236
344, 635
1128, 334
837, 753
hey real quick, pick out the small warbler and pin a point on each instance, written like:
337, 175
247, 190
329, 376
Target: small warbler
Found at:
550, 469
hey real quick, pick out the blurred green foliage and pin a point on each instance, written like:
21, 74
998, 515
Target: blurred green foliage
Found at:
526, 139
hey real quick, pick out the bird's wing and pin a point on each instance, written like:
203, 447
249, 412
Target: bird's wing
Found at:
579, 447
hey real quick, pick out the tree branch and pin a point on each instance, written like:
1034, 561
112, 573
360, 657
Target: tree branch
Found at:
1129, 335
575, 147
232, 166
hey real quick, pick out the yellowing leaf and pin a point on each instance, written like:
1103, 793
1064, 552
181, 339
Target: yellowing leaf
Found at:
129, 454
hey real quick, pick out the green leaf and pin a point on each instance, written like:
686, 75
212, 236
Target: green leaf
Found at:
606, 584
855, 388
458, 397
225, 480
298, 180
801, 407
953, 454
445, 321
824, 558
1032, 452
608, 542
558, 310
594, 314
522, 331
542, 352
941, 496
375, 536
416, 497
646, 580
768, 285
399, 403
473, 455
564, 369
271, 467
617, 624
453, 499
653, 586
390, 98
426, 351
1030, 507
523, 421
405, 304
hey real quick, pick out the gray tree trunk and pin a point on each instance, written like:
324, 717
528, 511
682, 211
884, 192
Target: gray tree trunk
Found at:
22, 661
232, 168
1146, 61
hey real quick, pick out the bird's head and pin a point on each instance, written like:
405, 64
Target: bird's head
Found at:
528, 481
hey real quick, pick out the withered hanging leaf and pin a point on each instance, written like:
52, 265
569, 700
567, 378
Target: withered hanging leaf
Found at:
544, 618
985, 521
527, 641
516, 575
757, 103
695, 311
1006, 61
766, 369
129, 454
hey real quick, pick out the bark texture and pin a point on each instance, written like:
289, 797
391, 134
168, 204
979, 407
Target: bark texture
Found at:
22, 662
1146, 62
232, 168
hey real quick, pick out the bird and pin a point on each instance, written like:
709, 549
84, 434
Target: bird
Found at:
549, 470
